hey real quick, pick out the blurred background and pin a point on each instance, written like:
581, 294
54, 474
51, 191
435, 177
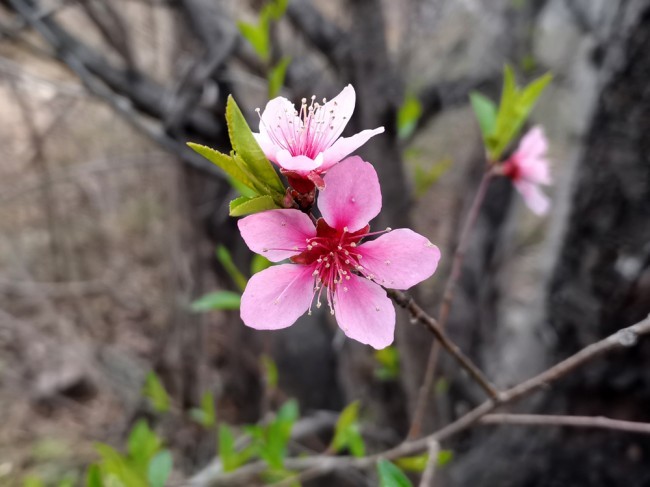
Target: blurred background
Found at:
109, 225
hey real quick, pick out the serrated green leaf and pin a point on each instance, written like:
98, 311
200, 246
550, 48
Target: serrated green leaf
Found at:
237, 175
257, 36
408, 115
391, 476
159, 469
355, 442
277, 434
276, 75
206, 416
156, 393
416, 463
270, 371
225, 259
217, 300
247, 206
230, 458
486, 112
444, 457
246, 147
259, 263
94, 477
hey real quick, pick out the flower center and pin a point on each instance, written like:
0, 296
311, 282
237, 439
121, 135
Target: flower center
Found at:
511, 169
334, 257
307, 132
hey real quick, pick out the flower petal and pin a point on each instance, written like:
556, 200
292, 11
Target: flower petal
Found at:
280, 123
364, 312
533, 196
352, 196
399, 259
276, 297
346, 145
277, 234
300, 164
268, 147
533, 145
337, 113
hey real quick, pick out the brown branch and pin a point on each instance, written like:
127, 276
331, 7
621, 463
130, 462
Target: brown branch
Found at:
419, 315
321, 464
596, 422
432, 462
445, 307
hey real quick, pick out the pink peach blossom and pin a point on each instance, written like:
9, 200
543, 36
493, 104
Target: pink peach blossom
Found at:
308, 142
330, 262
528, 168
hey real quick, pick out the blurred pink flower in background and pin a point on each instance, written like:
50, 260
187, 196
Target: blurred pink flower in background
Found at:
308, 142
330, 262
528, 168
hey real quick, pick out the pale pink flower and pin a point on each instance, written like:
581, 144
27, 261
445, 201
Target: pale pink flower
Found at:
306, 143
330, 262
528, 168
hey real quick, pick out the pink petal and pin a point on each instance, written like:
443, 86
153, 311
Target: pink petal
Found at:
352, 196
277, 234
268, 147
364, 312
300, 164
533, 196
532, 146
346, 145
399, 259
276, 297
279, 122
536, 171
337, 113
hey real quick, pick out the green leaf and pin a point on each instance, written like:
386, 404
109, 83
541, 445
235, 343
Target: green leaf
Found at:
142, 445
259, 263
94, 477
230, 458
388, 360
274, 10
442, 386
159, 469
425, 178
444, 457
276, 76
486, 112
246, 206
391, 476
270, 371
514, 110
257, 36
113, 464
278, 432
206, 415
237, 175
346, 432
156, 393
246, 147
408, 116
225, 259
413, 464
33, 481
217, 300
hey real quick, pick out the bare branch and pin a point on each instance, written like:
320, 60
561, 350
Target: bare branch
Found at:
419, 315
596, 422
323, 464
430, 471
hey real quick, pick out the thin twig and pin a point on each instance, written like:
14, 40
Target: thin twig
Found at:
596, 422
419, 315
432, 462
321, 465
445, 307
